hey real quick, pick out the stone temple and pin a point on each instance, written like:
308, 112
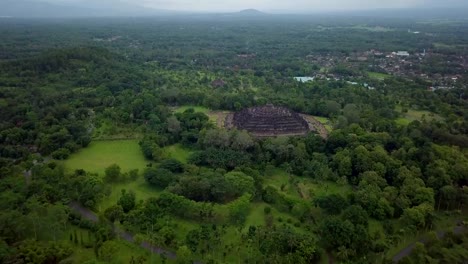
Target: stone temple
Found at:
269, 121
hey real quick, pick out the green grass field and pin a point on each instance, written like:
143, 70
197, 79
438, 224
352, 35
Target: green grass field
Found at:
403, 121
326, 122
278, 178
141, 189
101, 154
413, 115
378, 75
127, 154
257, 216
322, 119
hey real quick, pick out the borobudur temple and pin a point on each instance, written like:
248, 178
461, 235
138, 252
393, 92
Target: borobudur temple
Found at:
269, 121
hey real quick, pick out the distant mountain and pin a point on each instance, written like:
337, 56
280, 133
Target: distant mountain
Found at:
251, 12
446, 4
30, 8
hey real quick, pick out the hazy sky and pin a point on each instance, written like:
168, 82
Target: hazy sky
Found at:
269, 5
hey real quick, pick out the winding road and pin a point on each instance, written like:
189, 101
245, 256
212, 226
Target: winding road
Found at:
90, 215
407, 250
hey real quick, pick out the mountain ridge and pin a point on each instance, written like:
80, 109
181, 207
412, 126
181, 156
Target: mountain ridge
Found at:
39, 9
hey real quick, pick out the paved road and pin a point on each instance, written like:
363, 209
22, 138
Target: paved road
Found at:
407, 250
90, 215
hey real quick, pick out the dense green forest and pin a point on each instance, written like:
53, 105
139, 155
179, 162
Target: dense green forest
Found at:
111, 148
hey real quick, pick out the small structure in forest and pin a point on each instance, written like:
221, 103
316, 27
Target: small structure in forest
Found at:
269, 121
218, 83
304, 79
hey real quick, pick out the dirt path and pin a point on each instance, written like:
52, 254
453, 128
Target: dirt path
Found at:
407, 250
88, 214
219, 117
314, 124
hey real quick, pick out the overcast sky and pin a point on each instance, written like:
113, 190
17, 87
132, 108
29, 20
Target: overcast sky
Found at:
269, 5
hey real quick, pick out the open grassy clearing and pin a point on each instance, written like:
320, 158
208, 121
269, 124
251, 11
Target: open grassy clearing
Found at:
127, 154
326, 122
378, 75
420, 114
101, 154
322, 119
413, 115
281, 180
257, 217
403, 121
301, 187
216, 117
178, 152
140, 187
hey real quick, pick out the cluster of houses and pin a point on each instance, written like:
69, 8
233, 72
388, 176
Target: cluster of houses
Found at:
397, 63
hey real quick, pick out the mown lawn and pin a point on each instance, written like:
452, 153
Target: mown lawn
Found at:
101, 154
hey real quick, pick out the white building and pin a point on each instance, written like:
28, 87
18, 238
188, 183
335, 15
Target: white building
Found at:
304, 79
402, 53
